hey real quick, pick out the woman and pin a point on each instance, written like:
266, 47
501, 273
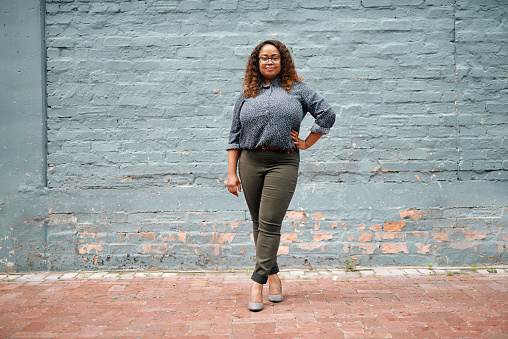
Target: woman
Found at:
264, 142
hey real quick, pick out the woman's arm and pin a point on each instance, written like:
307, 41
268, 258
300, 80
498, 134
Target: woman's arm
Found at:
307, 143
233, 183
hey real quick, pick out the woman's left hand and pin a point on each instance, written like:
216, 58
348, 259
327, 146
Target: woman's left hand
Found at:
300, 144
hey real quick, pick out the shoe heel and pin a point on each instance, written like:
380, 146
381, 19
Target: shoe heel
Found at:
276, 298
255, 307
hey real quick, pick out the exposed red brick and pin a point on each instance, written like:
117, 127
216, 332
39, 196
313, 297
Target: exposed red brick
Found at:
394, 226
87, 248
310, 247
365, 237
424, 234
351, 237
226, 237
147, 235
366, 248
283, 249
411, 213
423, 248
317, 226
474, 236
182, 237
289, 237
151, 248
345, 248
505, 238
322, 236
336, 223
440, 236
388, 235
376, 228
361, 227
318, 216
394, 248
296, 215
216, 249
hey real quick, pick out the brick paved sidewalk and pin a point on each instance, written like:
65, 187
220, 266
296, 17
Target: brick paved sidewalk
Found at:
378, 303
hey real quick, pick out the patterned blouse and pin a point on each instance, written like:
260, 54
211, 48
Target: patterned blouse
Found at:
267, 119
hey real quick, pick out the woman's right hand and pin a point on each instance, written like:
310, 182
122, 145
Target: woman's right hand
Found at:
234, 184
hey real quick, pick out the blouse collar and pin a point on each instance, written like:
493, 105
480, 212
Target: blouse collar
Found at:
275, 82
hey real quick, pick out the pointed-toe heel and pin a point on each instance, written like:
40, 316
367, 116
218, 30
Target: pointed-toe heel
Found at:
276, 298
255, 307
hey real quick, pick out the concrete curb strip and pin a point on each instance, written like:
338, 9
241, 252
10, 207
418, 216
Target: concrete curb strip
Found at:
288, 273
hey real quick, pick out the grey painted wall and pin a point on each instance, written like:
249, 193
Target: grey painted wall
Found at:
140, 97
22, 136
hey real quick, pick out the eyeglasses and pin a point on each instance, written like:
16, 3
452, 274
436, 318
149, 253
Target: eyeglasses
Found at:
264, 59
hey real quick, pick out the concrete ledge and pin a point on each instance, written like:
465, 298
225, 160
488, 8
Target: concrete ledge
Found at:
286, 274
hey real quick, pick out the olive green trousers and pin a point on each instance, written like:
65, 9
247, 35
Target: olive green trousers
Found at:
268, 179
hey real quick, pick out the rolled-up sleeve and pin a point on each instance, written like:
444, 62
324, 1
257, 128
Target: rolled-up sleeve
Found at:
319, 109
234, 133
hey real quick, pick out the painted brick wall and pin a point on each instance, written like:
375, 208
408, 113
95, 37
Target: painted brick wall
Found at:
140, 97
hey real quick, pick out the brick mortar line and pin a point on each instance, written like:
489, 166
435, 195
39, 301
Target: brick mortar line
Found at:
502, 270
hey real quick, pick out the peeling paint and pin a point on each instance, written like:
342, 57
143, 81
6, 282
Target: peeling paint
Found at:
318, 216
440, 236
394, 226
322, 236
410, 213
365, 248
365, 237
470, 236
296, 215
289, 237
87, 248
423, 248
389, 236
226, 237
393, 248
283, 249
310, 247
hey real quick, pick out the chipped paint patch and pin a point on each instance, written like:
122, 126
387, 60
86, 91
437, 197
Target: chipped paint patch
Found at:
88, 248
440, 236
322, 236
289, 237
365, 248
365, 237
394, 226
410, 213
296, 215
423, 248
394, 248
226, 237
470, 236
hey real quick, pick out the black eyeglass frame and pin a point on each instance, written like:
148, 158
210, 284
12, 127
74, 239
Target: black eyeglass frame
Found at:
278, 58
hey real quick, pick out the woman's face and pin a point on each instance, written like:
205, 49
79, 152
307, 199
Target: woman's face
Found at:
269, 68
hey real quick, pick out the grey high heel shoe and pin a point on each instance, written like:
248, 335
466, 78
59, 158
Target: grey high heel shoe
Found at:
276, 298
255, 307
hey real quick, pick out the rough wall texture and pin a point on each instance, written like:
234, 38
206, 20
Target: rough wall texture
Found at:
140, 97
22, 137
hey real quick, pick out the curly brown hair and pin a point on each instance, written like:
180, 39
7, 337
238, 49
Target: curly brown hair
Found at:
252, 83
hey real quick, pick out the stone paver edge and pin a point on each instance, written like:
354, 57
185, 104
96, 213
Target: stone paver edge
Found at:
303, 273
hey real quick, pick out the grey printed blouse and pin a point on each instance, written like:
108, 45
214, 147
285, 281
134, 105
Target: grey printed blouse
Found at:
267, 119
